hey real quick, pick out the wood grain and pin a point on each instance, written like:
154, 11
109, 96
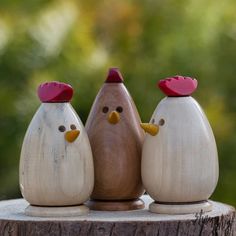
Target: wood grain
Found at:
126, 205
220, 221
61, 211
54, 172
177, 208
116, 147
180, 163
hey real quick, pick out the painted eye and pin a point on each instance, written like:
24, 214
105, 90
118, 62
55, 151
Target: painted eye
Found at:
62, 128
73, 127
161, 122
153, 121
119, 109
105, 109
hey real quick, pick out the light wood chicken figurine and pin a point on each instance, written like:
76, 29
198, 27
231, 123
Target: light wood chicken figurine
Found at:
179, 158
56, 164
116, 139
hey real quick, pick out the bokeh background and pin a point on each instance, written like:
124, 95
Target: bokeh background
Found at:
77, 41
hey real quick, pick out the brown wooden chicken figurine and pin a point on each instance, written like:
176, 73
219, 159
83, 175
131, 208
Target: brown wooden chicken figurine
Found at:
113, 127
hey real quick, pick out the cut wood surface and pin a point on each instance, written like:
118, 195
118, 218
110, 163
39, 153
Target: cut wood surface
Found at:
220, 221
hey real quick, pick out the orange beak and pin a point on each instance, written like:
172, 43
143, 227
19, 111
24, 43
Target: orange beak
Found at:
114, 117
150, 128
71, 136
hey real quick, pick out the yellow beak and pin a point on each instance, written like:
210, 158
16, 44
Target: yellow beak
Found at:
114, 117
71, 135
150, 128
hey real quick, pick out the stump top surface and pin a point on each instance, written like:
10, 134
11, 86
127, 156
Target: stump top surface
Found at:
14, 210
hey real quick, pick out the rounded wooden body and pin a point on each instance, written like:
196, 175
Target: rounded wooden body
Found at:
180, 163
116, 147
53, 171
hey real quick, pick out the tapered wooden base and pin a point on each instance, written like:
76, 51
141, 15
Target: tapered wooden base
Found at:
187, 208
56, 211
115, 205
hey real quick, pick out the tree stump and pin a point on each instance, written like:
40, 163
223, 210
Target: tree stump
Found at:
220, 221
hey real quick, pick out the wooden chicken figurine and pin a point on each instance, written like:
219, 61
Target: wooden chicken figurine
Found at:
179, 158
56, 164
116, 139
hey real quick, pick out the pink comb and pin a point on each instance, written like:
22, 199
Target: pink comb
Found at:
178, 86
55, 92
114, 76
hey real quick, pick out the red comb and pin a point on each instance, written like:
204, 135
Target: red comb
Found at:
114, 76
55, 92
178, 86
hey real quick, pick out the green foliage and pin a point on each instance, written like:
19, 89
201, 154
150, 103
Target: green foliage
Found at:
76, 41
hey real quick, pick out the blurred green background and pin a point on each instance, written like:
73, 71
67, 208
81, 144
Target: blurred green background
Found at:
77, 41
